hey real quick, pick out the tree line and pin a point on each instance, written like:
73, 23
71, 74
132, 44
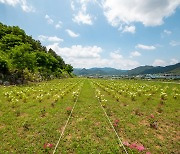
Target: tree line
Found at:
23, 58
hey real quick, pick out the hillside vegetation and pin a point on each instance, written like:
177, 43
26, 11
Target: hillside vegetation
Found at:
22, 58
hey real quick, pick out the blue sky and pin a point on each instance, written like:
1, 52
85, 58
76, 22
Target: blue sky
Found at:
101, 33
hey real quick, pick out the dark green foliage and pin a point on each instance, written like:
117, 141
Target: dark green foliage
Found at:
9, 41
69, 68
23, 57
3, 66
61, 62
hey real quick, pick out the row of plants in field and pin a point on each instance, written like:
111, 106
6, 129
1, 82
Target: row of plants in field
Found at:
48, 147
34, 116
42, 93
88, 130
134, 91
127, 147
38, 109
145, 102
39, 93
75, 96
17, 97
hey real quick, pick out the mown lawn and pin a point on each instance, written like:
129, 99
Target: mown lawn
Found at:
144, 114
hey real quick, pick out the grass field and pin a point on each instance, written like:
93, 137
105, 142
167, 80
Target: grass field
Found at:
144, 114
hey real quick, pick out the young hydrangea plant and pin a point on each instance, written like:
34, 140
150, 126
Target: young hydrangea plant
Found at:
68, 110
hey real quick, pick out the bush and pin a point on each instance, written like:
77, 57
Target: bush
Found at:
4, 68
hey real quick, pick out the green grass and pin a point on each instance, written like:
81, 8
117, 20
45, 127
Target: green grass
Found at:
33, 115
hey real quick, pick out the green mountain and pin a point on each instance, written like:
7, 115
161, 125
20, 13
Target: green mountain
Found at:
22, 58
139, 70
173, 69
98, 71
166, 69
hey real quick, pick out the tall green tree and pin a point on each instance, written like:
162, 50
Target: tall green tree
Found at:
22, 57
61, 62
20, 54
69, 68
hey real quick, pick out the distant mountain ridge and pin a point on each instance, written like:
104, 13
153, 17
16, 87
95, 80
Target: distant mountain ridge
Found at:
173, 69
98, 71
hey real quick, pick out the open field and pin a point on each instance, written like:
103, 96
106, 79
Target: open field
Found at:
144, 114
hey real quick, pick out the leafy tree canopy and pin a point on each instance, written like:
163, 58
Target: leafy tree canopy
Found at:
20, 53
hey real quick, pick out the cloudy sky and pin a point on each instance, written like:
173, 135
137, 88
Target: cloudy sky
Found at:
122, 34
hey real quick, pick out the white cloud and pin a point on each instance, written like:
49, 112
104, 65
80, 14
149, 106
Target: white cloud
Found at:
49, 20
174, 43
135, 54
83, 18
42, 37
26, 7
71, 33
58, 25
165, 33
159, 62
173, 61
118, 61
22, 3
77, 51
10, 2
148, 12
55, 39
115, 55
50, 38
168, 32
130, 29
90, 56
145, 47
72, 5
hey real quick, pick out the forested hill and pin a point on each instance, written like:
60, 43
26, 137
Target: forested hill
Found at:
141, 70
22, 58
